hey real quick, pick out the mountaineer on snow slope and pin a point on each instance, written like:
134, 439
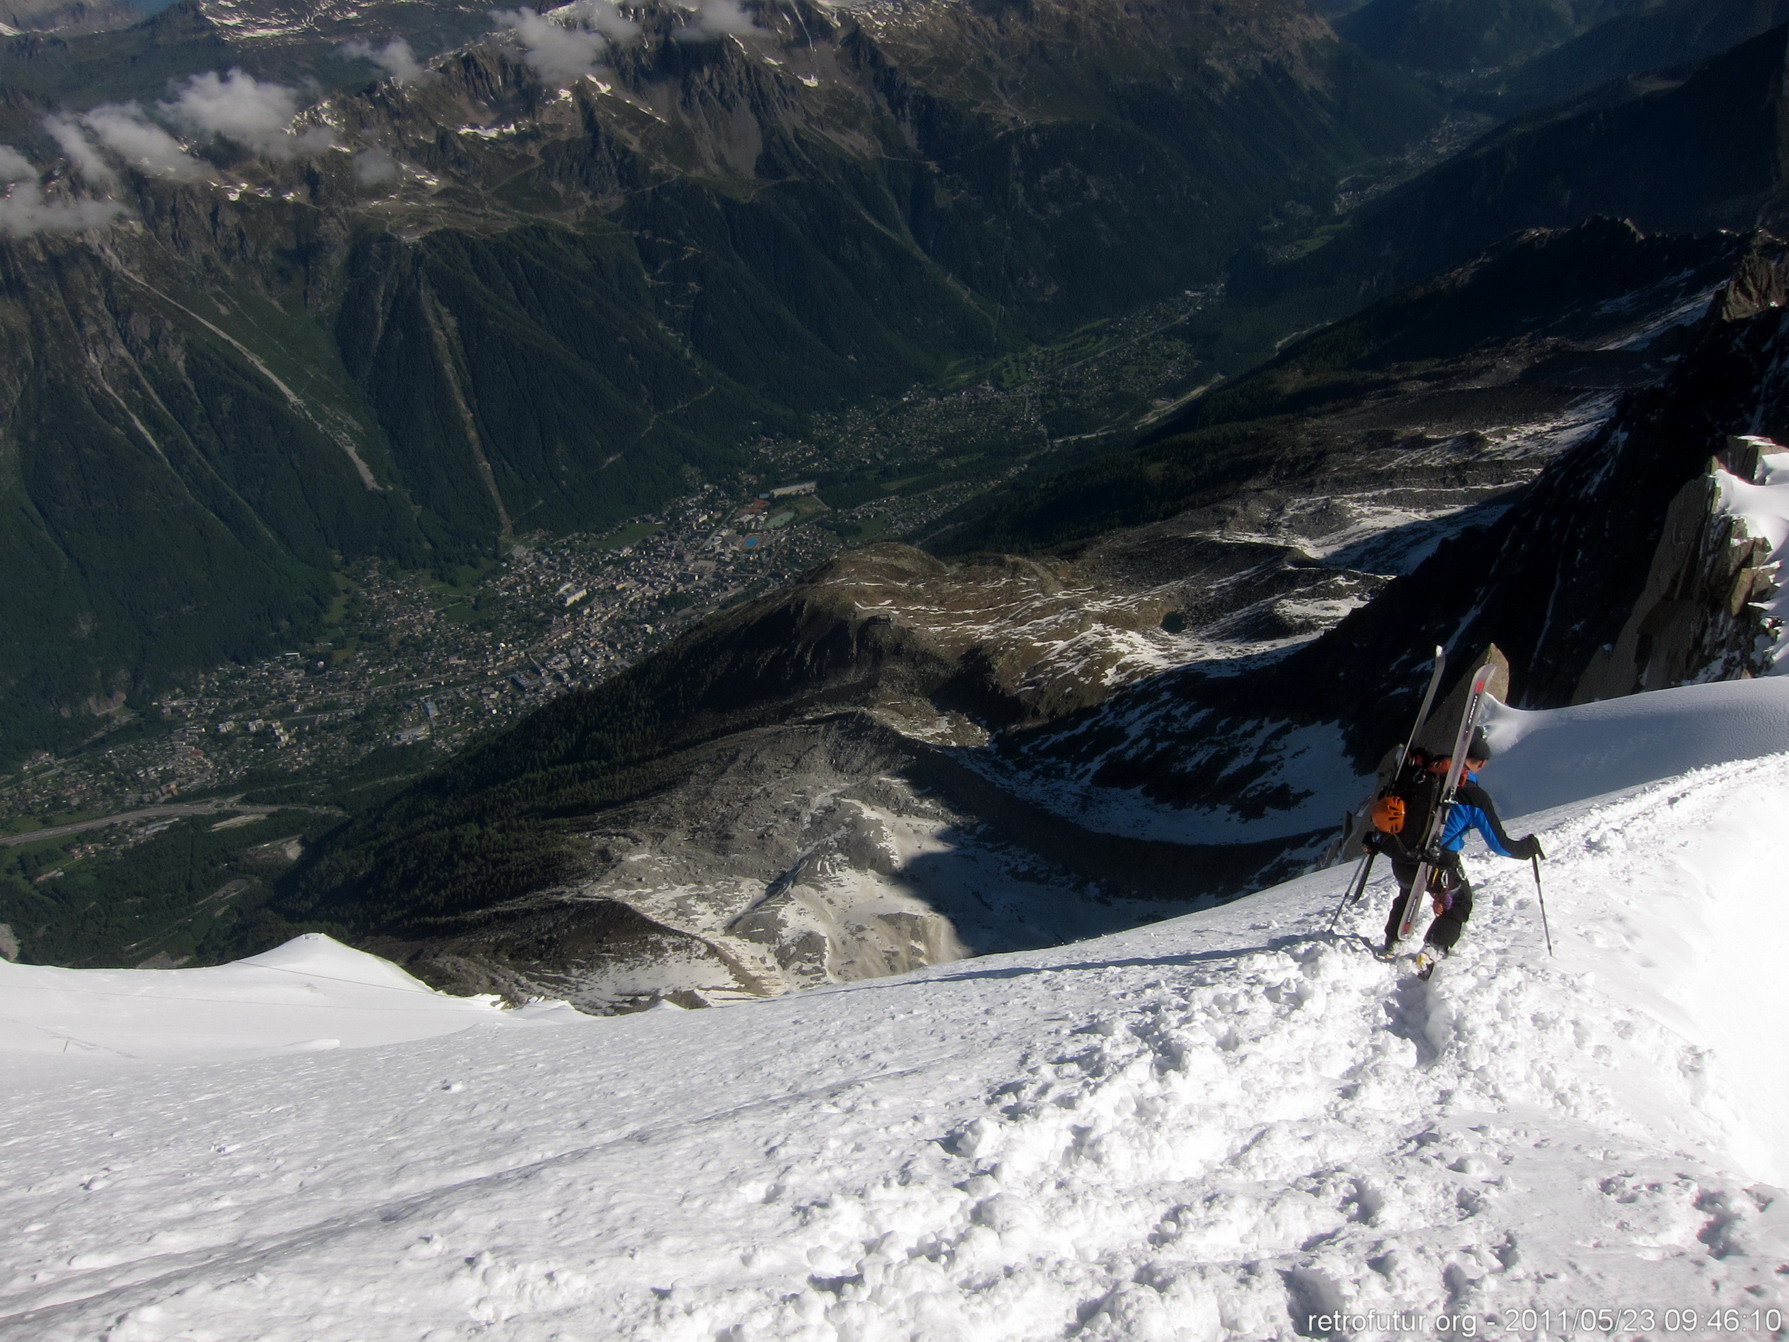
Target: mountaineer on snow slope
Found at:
1471, 809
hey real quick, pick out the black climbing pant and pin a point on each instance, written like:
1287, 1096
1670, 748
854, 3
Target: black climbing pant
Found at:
1445, 880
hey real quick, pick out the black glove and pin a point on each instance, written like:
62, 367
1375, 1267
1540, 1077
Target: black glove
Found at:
1526, 847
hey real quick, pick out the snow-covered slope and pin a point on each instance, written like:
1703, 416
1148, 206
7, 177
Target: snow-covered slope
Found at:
1228, 1125
310, 994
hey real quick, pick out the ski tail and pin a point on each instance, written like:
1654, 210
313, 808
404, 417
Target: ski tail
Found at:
1444, 803
1422, 714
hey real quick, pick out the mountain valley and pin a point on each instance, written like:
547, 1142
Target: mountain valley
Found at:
940, 731
724, 670
390, 464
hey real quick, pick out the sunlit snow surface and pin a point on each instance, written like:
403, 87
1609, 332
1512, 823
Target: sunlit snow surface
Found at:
309, 995
1219, 1126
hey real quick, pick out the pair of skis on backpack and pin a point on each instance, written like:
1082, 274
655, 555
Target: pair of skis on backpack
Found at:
1390, 813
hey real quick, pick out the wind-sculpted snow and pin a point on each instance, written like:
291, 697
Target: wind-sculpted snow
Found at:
1228, 1125
310, 994
1621, 743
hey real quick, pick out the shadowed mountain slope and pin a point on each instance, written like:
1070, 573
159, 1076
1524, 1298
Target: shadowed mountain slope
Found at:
1680, 151
1455, 36
1568, 286
1552, 582
1655, 36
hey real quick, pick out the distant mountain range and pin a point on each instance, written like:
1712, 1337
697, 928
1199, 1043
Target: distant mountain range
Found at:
552, 278
1659, 35
66, 16
1463, 35
1512, 55
1695, 147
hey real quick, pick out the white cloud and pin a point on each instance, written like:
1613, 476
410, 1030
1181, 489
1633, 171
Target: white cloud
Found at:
375, 167
716, 18
14, 166
606, 17
565, 44
240, 107
396, 58
82, 153
131, 136
24, 211
120, 132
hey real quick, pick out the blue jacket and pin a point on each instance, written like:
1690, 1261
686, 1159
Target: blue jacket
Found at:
1473, 810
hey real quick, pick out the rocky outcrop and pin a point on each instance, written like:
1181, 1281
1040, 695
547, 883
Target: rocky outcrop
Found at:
600, 954
1700, 616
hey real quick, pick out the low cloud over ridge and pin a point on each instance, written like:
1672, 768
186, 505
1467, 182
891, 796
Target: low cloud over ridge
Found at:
25, 211
129, 134
397, 58
565, 44
716, 19
14, 166
237, 106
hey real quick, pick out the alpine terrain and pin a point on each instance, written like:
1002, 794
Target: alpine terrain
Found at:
743, 669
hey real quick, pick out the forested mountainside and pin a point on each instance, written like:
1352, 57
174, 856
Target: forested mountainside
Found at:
535, 287
506, 294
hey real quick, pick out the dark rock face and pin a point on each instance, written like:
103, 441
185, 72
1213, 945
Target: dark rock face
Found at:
1699, 616
591, 950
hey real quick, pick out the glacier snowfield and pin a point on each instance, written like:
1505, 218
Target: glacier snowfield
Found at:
1229, 1125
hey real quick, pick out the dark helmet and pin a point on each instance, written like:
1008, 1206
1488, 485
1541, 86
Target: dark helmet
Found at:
1480, 749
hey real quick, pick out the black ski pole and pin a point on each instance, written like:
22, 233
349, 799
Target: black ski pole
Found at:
1545, 930
1357, 886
